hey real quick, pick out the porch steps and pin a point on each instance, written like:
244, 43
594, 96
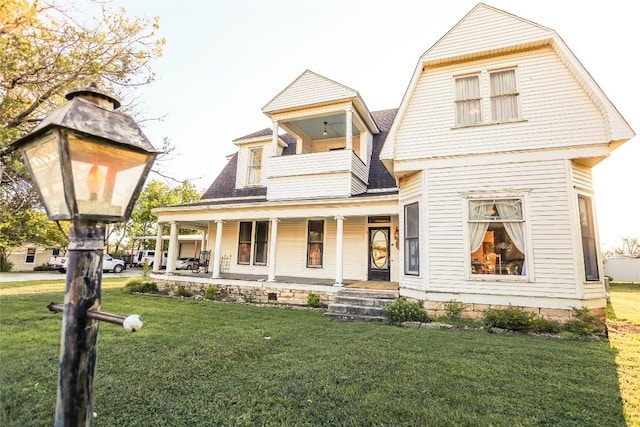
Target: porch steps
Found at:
360, 305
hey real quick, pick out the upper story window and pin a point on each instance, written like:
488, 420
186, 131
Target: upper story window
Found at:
468, 100
497, 90
255, 166
504, 95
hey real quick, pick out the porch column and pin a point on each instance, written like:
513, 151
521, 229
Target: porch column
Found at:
173, 248
339, 248
217, 250
274, 139
349, 128
272, 250
157, 257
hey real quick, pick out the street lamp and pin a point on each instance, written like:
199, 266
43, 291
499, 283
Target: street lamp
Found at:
88, 163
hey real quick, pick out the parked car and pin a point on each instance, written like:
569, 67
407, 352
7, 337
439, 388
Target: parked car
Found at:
186, 263
109, 263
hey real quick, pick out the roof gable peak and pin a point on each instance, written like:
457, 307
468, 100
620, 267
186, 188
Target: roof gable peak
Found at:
309, 89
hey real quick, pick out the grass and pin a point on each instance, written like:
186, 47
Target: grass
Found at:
203, 363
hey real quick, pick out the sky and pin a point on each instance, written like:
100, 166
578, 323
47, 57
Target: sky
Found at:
224, 60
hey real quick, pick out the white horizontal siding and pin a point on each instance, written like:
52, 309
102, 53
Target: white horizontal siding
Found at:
310, 164
556, 110
582, 177
486, 29
292, 249
411, 191
309, 89
310, 187
549, 222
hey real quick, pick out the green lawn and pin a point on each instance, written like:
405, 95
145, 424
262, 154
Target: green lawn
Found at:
203, 363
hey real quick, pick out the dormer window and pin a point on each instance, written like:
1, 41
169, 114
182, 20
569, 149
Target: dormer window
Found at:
255, 166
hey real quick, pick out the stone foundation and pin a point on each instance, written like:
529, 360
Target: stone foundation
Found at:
476, 311
260, 292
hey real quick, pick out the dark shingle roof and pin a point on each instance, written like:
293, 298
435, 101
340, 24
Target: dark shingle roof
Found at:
224, 185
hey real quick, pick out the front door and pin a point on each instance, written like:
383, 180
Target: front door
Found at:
379, 254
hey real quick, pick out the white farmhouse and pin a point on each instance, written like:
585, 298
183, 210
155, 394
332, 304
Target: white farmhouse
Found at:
477, 188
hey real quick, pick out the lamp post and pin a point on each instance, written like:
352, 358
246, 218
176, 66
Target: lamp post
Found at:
88, 163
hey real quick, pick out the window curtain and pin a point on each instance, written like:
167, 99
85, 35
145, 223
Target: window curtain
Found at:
477, 230
504, 98
515, 230
468, 100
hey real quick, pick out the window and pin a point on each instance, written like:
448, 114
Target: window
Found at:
504, 95
244, 243
411, 239
31, 256
315, 238
260, 243
260, 240
497, 236
55, 252
468, 100
589, 249
255, 165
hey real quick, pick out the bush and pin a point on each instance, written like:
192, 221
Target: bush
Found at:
313, 300
212, 292
543, 325
42, 267
5, 265
402, 310
183, 292
140, 285
581, 322
511, 318
453, 309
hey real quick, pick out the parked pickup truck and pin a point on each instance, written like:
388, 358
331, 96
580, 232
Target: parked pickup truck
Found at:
108, 263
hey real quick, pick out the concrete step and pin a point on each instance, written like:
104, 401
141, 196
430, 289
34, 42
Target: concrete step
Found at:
356, 310
354, 317
360, 305
365, 293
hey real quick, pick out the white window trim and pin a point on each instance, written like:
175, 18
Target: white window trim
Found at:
250, 167
582, 270
324, 244
526, 216
26, 255
486, 119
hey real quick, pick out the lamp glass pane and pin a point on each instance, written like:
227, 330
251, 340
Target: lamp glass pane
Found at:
43, 157
104, 176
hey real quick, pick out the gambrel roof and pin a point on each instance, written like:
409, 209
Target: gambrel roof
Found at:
470, 39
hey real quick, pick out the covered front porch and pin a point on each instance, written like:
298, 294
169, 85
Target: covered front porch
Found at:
309, 243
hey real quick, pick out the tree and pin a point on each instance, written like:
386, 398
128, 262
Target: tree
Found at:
155, 194
46, 50
630, 247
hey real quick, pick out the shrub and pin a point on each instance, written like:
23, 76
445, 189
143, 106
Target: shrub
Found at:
140, 285
402, 310
581, 322
453, 309
212, 292
543, 325
511, 318
5, 265
313, 300
42, 267
183, 292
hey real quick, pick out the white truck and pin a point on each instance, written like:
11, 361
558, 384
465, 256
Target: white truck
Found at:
148, 256
109, 263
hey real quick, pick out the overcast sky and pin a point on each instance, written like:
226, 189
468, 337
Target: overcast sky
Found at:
224, 60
